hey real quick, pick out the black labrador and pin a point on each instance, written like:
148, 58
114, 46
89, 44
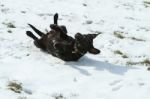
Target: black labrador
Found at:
59, 44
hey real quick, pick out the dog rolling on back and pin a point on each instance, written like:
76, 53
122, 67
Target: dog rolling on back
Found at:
59, 44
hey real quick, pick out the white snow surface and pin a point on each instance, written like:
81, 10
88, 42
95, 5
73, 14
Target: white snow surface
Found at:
102, 76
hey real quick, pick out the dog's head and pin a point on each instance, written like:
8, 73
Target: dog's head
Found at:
84, 43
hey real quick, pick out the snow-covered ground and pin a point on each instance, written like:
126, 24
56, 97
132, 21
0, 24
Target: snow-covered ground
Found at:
118, 72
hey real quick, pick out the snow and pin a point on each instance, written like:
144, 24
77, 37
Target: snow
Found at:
103, 76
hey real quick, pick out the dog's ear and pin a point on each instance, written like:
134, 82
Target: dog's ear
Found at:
94, 51
56, 18
92, 36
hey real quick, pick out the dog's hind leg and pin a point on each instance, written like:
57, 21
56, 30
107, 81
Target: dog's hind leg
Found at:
36, 30
37, 42
30, 34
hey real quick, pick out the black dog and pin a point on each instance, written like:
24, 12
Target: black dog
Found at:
59, 44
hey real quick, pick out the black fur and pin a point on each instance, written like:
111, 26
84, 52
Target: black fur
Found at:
59, 44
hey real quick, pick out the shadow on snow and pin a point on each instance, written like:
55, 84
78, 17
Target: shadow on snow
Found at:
98, 65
